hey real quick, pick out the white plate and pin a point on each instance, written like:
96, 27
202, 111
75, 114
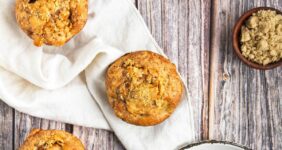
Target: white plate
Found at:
214, 145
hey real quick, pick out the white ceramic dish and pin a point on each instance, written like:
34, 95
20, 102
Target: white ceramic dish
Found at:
214, 145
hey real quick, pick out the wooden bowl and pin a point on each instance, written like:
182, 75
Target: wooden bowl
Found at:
237, 44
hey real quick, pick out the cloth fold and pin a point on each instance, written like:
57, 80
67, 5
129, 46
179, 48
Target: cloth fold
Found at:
50, 82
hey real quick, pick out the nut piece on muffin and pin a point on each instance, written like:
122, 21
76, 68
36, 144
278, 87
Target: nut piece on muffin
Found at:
143, 88
51, 140
51, 22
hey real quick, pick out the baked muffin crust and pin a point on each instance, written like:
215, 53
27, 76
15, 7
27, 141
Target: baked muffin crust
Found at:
52, 22
51, 140
143, 88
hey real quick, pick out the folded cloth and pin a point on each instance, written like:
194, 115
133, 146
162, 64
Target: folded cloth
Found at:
51, 83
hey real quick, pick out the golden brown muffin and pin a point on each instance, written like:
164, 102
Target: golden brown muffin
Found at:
143, 88
52, 22
51, 140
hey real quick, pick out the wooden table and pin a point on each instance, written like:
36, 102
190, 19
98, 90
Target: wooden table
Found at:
230, 101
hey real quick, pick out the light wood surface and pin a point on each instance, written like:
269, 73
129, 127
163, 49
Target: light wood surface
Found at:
245, 104
231, 101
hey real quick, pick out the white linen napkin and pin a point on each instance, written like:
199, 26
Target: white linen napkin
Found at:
50, 82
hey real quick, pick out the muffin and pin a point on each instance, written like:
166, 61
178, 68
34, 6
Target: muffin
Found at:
51, 22
51, 140
143, 88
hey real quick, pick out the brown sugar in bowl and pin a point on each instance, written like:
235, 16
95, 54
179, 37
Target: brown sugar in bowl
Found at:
237, 44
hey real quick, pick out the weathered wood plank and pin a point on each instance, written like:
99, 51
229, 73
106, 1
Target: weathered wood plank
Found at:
25, 123
245, 104
97, 139
6, 126
181, 27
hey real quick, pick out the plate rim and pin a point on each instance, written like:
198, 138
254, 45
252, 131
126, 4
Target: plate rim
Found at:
214, 142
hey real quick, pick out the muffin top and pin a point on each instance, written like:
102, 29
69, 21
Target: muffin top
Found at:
143, 88
51, 140
51, 22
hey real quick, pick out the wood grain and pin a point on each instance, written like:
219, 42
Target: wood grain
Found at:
245, 104
181, 28
6, 127
97, 139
